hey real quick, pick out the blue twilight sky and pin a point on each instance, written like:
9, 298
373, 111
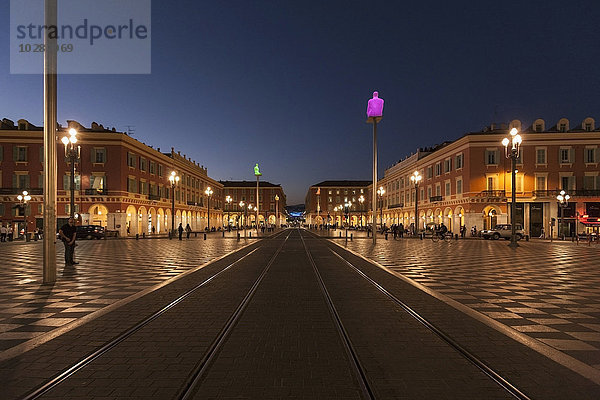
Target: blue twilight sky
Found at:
286, 83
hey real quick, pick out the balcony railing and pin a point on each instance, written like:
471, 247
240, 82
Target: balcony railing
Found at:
16, 191
578, 192
492, 193
399, 205
95, 192
154, 197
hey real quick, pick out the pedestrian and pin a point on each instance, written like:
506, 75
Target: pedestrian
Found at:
188, 231
153, 230
542, 233
401, 230
3, 232
463, 231
180, 230
68, 234
9, 233
395, 230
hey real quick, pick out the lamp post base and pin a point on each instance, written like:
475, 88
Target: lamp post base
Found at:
513, 245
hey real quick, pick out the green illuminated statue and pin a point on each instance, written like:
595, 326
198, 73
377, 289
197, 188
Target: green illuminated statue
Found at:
257, 170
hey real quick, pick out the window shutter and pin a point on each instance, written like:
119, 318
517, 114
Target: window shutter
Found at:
28, 209
41, 154
1, 158
572, 155
66, 182
15, 153
41, 181
14, 211
588, 182
572, 183
27, 182
93, 155
597, 183
14, 181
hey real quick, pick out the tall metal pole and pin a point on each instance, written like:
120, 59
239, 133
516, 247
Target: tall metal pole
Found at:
257, 203
513, 205
208, 205
173, 210
374, 195
416, 208
50, 166
72, 159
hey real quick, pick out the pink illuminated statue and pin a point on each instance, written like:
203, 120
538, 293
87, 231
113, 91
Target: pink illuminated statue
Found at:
375, 106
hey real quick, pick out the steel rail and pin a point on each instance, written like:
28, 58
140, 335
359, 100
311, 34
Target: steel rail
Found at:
70, 371
485, 368
194, 379
357, 368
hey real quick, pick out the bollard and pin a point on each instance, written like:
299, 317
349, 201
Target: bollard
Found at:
137, 236
143, 235
351, 236
205, 236
223, 233
527, 238
421, 236
456, 236
386, 236
250, 234
340, 234
170, 235
195, 234
238, 237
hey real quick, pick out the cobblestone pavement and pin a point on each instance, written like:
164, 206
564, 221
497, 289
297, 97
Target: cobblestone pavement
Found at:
549, 292
109, 271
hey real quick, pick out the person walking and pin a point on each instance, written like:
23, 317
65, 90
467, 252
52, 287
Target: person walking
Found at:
180, 230
188, 231
68, 234
401, 230
3, 233
9, 233
542, 233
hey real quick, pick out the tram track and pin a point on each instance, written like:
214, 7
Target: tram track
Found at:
484, 367
70, 371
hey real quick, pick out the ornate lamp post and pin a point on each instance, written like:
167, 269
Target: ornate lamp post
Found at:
335, 209
208, 192
228, 200
512, 148
242, 204
276, 210
563, 202
174, 179
380, 193
347, 207
23, 199
374, 115
72, 154
258, 174
361, 200
415, 178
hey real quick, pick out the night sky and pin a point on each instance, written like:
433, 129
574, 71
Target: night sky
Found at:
286, 83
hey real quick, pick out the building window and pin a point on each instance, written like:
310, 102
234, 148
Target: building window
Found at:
565, 156
131, 160
567, 183
143, 164
438, 169
429, 172
132, 186
98, 182
562, 127
459, 161
428, 192
538, 127
540, 156
98, 155
492, 183
491, 157
459, 186
20, 154
448, 165
68, 209
588, 127
590, 156
448, 192
67, 182
152, 167
160, 170
540, 183
438, 190
21, 181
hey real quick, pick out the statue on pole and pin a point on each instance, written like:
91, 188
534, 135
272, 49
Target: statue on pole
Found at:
257, 170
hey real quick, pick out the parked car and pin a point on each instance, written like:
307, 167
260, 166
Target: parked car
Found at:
503, 231
90, 232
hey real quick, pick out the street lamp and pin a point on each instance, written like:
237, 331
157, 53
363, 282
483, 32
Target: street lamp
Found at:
228, 200
276, 210
174, 179
361, 200
242, 204
335, 209
72, 154
563, 202
347, 207
23, 199
374, 115
513, 153
208, 192
380, 193
415, 178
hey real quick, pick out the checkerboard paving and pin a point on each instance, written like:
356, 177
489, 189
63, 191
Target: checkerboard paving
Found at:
547, 291
109, 270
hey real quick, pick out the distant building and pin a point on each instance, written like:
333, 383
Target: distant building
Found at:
271, 203
120, 182
468, 181
322, 199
